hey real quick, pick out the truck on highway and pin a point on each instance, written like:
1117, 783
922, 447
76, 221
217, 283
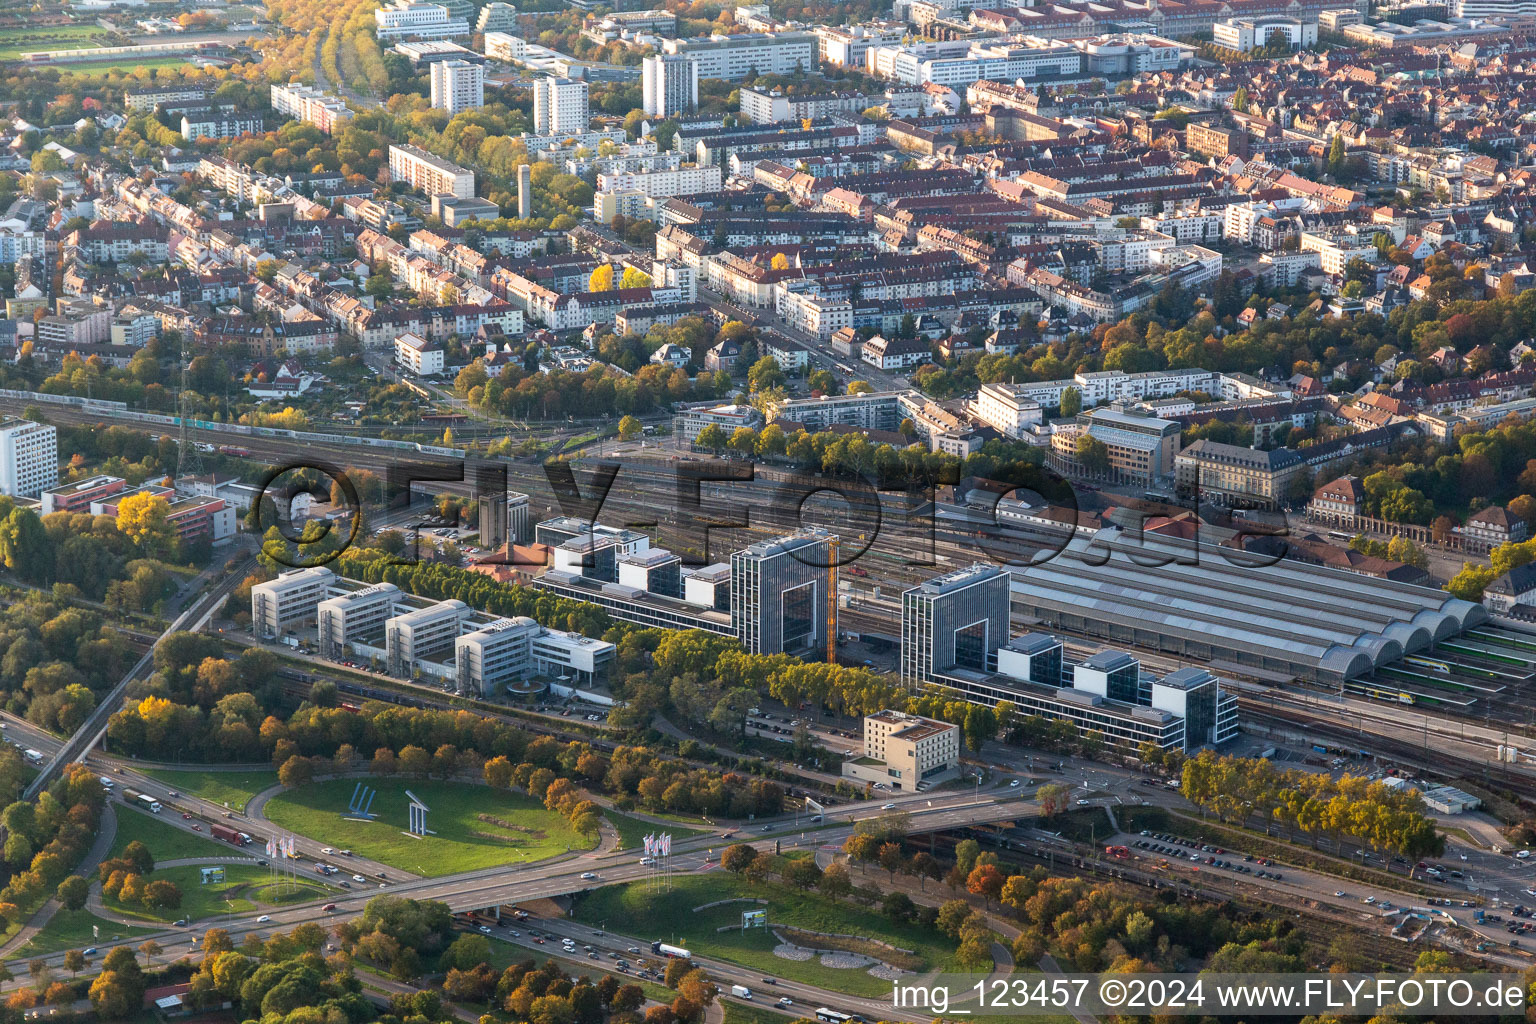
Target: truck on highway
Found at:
228, 835
741, 992
674, 952
35, 756
150, 802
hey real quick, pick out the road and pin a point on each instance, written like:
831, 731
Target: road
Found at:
91, 731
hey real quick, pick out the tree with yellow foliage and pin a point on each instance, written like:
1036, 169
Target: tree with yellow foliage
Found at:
601, 279
779, 262
635, 279
145, 519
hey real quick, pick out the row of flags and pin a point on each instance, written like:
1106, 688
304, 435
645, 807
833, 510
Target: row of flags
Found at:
284, 846
658, 846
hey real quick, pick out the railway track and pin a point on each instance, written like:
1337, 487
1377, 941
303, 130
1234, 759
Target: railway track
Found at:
1423, 759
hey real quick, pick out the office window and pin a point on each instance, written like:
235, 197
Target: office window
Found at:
971, 646
799, 614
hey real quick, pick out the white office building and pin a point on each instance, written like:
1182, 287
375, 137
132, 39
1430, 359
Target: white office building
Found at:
423, 634
560, 105
279, 604
409, 19
1244, 34
1492, 8
29, 458
358, 616
509, 650
457, 85
670, 84
1003, 408
735, 57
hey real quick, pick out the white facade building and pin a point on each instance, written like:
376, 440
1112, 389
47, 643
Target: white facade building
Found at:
409, 19
306, 103
1244, 34
430, 174
457, 85
418, 354
356, 615
560, 105
1001, 407
291, 598
738, 56
669, 84
29, 458
513, 649
423, 634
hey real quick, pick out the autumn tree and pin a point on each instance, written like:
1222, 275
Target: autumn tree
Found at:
296, 771
736, 857
144, 518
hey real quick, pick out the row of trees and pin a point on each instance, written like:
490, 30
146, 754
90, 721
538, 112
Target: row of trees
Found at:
47, 837
215, 714
1372, 814
890, 465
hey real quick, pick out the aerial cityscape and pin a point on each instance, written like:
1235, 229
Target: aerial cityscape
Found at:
581, 511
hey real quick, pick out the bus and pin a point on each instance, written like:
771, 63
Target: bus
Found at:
672, 952
150, 802
832, 1016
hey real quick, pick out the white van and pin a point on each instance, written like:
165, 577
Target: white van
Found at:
741, 992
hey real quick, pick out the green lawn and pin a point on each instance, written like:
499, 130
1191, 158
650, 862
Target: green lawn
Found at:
71, 929
655, 911
474, 826
741, 1013
232, 789
102, 67
246, 889
165, 841
632, 831
16, 41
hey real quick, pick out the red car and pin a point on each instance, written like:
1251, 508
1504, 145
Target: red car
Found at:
185, 816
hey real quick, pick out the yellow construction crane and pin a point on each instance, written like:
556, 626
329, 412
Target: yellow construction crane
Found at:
832, 600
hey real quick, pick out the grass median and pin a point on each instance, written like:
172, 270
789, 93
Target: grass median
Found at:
232, 789
471, 826
246, 889
165, 840
664, 910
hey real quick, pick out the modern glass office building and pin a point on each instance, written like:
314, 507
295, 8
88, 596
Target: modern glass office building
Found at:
779, 594
957, 620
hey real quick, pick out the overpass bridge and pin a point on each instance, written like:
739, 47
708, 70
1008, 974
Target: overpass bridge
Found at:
94, 728
487, 895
